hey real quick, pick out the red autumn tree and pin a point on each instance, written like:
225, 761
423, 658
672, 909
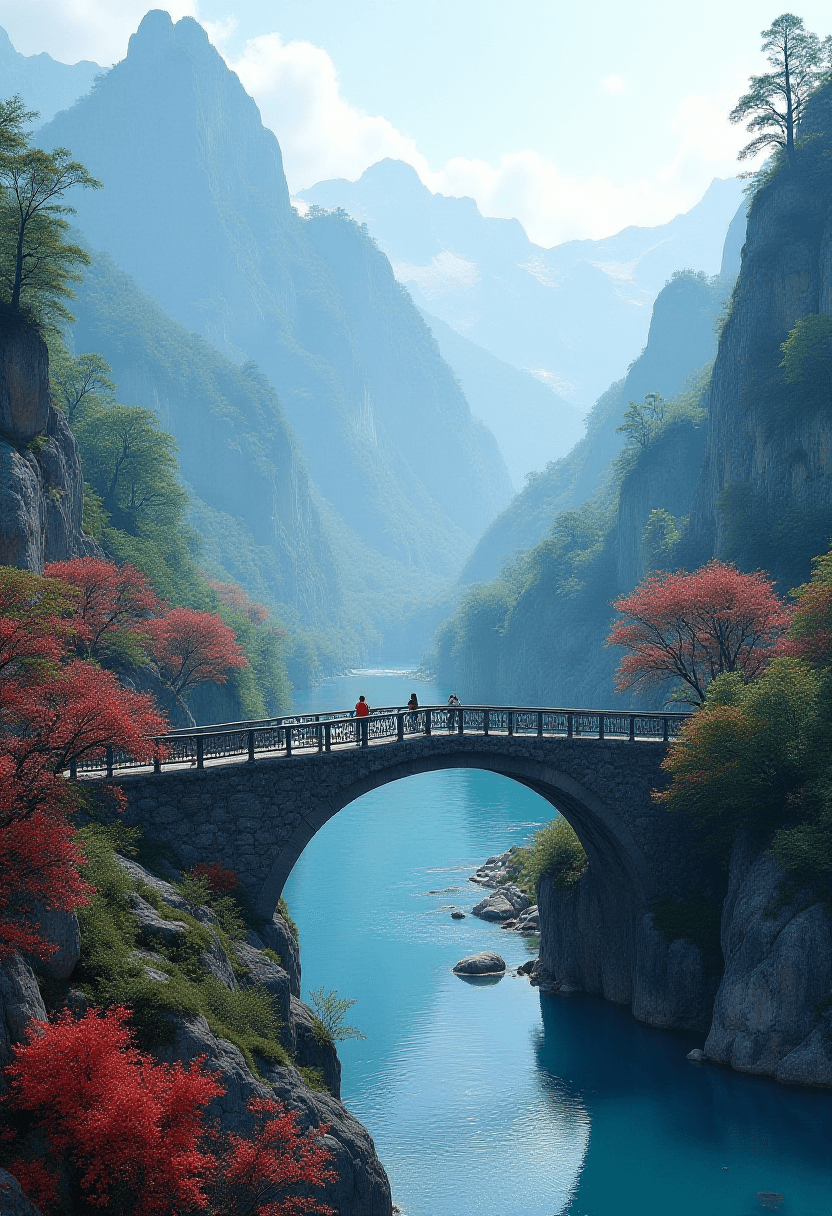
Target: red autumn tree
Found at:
128, 1134
112, 608
258, 1174
38, 865
217, 877
54, 710
74, 713
35, 621
124, 1128
233, 596
192, 647
693, 627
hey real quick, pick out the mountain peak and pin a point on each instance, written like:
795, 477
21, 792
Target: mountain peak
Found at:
157, 29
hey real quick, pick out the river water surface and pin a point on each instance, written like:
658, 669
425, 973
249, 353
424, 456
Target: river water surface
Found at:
496, 1098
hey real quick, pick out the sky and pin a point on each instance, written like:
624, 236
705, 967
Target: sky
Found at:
577, 119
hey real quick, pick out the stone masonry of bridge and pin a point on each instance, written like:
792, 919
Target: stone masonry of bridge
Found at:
258, 817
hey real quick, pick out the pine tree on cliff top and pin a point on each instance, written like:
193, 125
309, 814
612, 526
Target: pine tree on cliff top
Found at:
775, 100
37, 265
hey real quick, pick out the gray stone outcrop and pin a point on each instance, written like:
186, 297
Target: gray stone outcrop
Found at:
41, 485
768, 1016
61, 930
361, 1188
506, 903
275, 934
12, 1200
362, 1185
594, 938
20, 1005
310, 1051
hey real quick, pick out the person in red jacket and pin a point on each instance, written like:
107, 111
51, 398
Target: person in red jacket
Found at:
362, 710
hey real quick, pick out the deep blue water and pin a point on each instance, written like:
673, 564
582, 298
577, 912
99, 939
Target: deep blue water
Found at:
495, 1098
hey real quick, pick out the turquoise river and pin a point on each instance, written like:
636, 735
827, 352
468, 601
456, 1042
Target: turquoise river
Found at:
499, 1099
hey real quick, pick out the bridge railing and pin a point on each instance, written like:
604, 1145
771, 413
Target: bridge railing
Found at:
327, 732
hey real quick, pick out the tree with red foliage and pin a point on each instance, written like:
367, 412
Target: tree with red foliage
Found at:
192, 647
35, 620
38, 865
257, 1172
694, 627
54, 712
125, 1132
233, 596
218, 879
112, 608
124, 1128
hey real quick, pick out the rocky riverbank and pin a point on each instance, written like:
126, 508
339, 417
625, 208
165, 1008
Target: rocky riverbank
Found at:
361, 1187
508, 905
765, 1007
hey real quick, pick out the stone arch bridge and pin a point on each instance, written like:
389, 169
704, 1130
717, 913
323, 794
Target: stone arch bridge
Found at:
253, 795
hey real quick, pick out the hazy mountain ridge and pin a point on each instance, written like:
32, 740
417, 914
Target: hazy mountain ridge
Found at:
682, 338
196, 209
576, 314
530, 422
44, 84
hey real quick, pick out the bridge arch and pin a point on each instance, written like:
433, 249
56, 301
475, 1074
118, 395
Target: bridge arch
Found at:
612, 850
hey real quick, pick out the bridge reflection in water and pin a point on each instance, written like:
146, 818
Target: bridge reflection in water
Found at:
245, 741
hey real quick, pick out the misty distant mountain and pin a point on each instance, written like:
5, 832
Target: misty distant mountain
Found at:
196, 208
532, 425
575, 315
682, 341
44, 84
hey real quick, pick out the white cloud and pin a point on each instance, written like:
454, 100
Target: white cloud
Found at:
296, 86
322, 135
219, 32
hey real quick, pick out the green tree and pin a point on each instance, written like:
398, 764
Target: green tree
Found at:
79, 380
37, 264
554, 850
131, 464
775, 100
642, 423
13, 119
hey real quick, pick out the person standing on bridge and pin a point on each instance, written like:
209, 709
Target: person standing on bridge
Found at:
362, 710
453, 700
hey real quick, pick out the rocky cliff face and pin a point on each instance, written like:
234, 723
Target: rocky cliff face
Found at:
765, 440
594, 939
41, 487
771, 1010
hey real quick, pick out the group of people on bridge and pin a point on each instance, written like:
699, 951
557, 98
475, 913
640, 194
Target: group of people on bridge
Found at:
363, 711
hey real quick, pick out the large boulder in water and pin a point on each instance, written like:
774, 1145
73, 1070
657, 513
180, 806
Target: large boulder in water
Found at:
506, 903
484, 963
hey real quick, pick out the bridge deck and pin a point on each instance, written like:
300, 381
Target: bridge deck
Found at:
246, 742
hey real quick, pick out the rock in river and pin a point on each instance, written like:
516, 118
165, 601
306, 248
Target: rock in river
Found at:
484, 963
505, 904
